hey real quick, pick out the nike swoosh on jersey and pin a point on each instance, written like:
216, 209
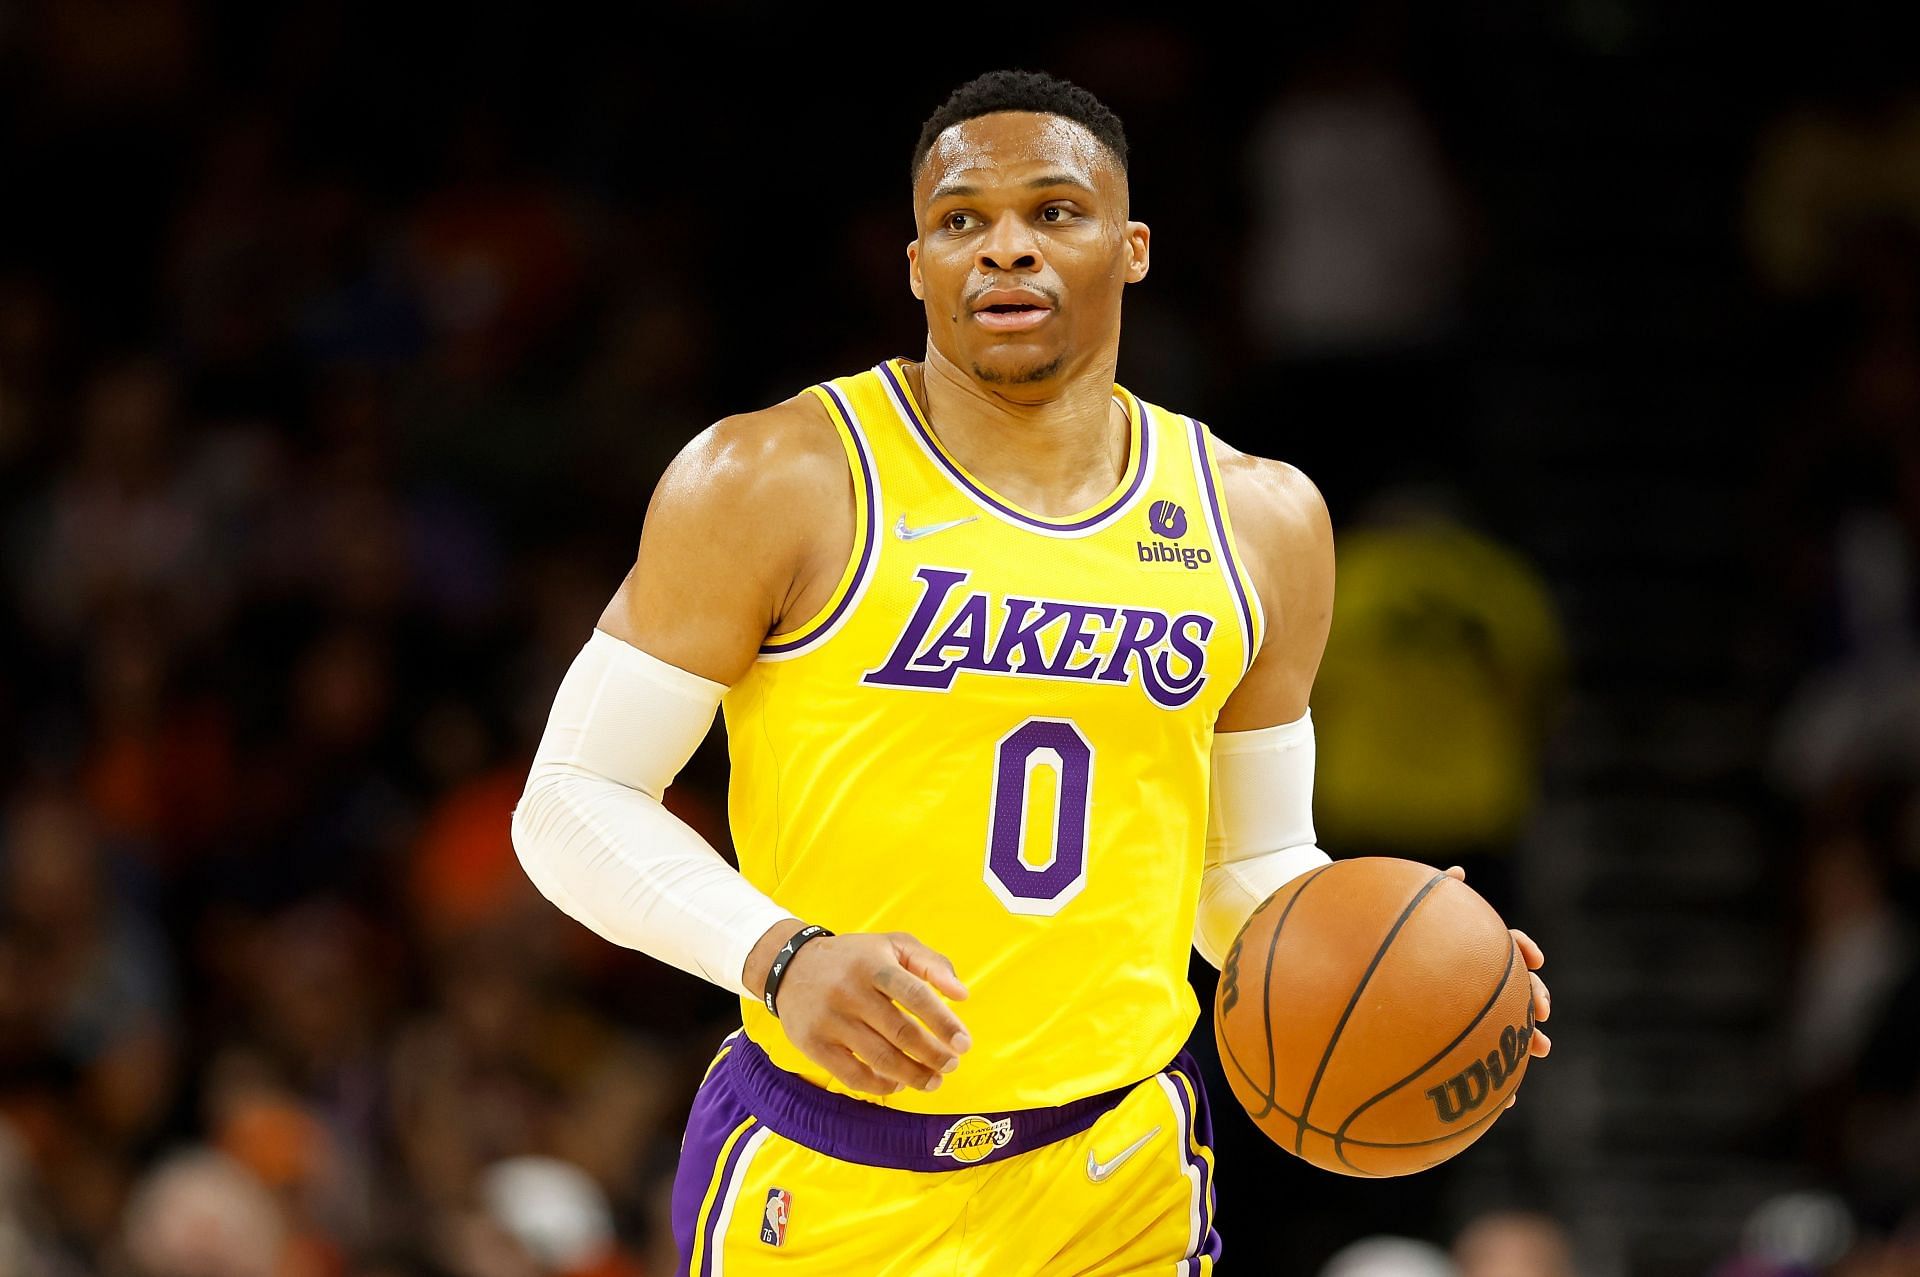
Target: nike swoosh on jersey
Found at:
1098, 1170
906, 533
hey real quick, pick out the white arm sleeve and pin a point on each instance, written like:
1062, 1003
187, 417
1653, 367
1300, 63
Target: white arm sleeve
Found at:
591, 833
1259, 827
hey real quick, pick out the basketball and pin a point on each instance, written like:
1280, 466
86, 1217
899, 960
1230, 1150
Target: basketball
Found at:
1373, 1016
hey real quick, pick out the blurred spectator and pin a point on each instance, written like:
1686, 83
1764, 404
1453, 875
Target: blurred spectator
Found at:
1860, 712
495, 254
29, 1245
121, 520
1793, 1233
1858, 948
91, 990
1827, 174
1360, 235
1390, 1257
1833, 232
1357, 260
1513, 1244
1443, 671
201, 1214
557, 1214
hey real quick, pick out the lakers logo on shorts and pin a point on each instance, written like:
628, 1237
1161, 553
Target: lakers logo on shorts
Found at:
972, 1138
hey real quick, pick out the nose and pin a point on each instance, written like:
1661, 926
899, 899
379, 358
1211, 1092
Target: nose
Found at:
1008, 246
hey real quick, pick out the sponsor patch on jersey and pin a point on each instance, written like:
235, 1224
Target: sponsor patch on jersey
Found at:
972, 1138
1164, 556
1166, 519
773, 1218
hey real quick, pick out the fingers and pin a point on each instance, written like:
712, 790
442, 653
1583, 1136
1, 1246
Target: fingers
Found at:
908, 1034
1540, 1044
888, 1060
1529, 951
1456, 873
902, 985
929, 966
847, 1066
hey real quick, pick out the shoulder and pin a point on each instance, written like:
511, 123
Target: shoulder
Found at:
743, 523
1276, 509
783, 452
740, 482
1282, 531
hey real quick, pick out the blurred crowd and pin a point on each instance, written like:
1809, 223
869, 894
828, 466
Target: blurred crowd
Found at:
312, 482
1833, 235
326, 429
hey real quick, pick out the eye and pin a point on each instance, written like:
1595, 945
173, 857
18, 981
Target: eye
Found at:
1054, 208
947, 221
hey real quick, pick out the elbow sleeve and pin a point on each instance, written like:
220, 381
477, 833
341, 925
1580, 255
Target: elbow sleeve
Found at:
1259, 827
592, 835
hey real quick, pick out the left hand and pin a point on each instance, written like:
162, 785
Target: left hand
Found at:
1542, 1000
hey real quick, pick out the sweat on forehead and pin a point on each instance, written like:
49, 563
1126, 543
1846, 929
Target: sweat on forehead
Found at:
1005, 139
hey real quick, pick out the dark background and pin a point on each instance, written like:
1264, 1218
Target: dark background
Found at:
340, 346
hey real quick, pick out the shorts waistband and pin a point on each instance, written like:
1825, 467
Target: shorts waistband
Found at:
871, 1135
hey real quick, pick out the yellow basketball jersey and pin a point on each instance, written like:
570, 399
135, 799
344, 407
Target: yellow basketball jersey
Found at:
995, 736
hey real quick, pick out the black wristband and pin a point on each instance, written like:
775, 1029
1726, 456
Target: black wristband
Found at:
784, 959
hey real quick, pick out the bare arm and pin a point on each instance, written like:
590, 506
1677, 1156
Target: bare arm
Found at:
1282, 529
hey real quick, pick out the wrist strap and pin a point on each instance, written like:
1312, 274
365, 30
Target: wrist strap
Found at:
783, 959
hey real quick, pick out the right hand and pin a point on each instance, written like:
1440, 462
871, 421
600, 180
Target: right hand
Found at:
867, 1008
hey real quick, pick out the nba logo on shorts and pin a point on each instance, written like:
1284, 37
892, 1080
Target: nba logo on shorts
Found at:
773, 1220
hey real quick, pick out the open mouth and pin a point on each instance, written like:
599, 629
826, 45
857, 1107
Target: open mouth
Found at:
1008, 316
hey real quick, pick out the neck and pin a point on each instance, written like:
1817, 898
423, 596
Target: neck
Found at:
1054, 456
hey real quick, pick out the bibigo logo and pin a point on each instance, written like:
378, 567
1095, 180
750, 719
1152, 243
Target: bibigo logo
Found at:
972, 1138
1168, 520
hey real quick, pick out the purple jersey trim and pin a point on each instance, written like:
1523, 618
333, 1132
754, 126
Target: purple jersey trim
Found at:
1106, 511
1199, 1123
815, 633
720, 1196
708, 1127
1204, 458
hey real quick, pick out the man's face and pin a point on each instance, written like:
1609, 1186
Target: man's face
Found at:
1023, 248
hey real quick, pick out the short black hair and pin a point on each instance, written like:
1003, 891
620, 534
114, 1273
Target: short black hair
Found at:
1014, 90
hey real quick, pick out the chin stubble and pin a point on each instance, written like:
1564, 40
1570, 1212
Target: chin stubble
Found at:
1038, 372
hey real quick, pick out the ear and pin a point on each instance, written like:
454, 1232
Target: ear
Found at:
914, 281
1138, 236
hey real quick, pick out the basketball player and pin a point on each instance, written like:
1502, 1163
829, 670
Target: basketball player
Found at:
1015, 668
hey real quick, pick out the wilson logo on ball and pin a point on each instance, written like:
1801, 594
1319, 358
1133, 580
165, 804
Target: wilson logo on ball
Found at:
1468, 1089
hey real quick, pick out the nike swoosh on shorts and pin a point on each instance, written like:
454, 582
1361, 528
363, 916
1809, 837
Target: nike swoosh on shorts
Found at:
1098, 1170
